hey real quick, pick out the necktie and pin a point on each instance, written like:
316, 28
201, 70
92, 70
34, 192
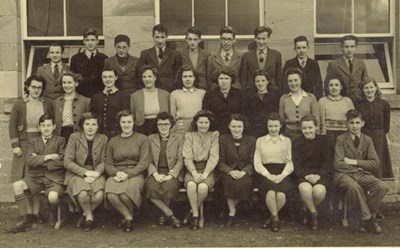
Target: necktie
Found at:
261, 56
45, 140
350, 66
160, 53
109, 92
227, 56
56, 72
356, 141
303, 63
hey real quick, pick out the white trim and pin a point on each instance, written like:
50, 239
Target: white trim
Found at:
262, 12
30, 61
57, 38
65, 17
226, 13
157, 10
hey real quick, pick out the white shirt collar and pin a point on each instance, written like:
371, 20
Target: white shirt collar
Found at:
113, 90
268, 137
89, 54
191, 90
300, 60
303, 94
54, 64
354, 136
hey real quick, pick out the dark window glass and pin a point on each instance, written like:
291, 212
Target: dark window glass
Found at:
334, 17
84, 14
371, 16
45, 18
176, 15
243, 15
209, 15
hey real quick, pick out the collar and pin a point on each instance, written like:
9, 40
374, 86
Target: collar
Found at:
264, 51
268, 137
354, 136
46, 139
303, 94
335, 99
163, 138
223, 52
113, 90
300, 60
191, 90
158, 49
26, 99
347, 60
54, 64
194, 52
89, 54
69, 98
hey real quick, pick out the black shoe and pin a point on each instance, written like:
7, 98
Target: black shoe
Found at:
128, 225
194, 223
88, 225
373, 227
275, 226
174, 222
266, 224
187, 218
36, 218
81, 221
22, 225
161, 220
230, 221
314, 222
53, 216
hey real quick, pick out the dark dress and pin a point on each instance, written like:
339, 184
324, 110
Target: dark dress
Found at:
222, 107
313, 156
257, 110
377, 123
165, 190
232, 157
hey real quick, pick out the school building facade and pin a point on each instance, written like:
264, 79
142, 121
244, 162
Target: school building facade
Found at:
27, 27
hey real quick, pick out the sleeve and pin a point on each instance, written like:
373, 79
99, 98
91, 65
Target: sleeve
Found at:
143, 162
69, 157
321, 108
329, 74
187, 152
107, 63
288, 159
87, 105
101, 166
282, 107
244, 71
213, 156
73, 64
207, 101
57, 164
142, 61
125, 101
285, 88
152, 167
93, 104
249, 168
318, 81
34, 161
338, 162
13, 125
179, 160
222, 165
296, 152
173, 104
258, 164
110, 167
314, 110
386, 116
327, 164
372, 162
132, 104
278, 72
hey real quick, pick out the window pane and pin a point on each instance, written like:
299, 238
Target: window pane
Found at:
371, 16
176, 15
45, 18
209, 15
243, 15
334, 16
84, 14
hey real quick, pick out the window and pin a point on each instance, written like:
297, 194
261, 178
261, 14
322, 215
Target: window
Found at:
370, 20
210, 15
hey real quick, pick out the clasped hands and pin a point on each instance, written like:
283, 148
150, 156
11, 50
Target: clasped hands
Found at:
120, 176
312, 178
199, 177
91, 176
161, 177
275, 178
236, 174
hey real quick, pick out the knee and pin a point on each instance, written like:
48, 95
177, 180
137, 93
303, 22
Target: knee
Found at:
98, 196
112, 197
281, 196
125, 197
319, 190
203, 188
305, 187
191, 186
83, 195
270, 195
19, 187
52, 197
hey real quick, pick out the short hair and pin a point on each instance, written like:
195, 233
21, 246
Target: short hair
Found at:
352, 114
165, 116
294, 70
90, 31
299, 39
262, 73
228, 71
29, 80
45, 117
109, 68
238, 117
87, 116
204, 113
228, 30
367, 80
193, 30
57, 44
312, 118
122, 38
262, 29
124, 113
150, 68
77, 77
274, 117
348, 37
161, 29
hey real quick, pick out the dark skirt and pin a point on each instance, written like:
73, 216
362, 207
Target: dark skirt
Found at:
162, 191
324, 180
149, 127
378, 137
200, 166
265, 185
132, 187
241, 189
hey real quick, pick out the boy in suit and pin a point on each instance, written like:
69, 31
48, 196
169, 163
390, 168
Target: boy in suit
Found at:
355, 160
89, 64
165, 59
226, 56
261, 58
312, 81
124, 64
195, 56
52, 72
351, 69
46, 172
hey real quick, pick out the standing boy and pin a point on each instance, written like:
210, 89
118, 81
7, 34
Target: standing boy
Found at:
312, 81
89, 64
165, 59
52, 72
124, 64
355, 161
46, 172
262, 58
351, 69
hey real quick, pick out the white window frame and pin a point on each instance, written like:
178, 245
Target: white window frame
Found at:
386, 87
213, 37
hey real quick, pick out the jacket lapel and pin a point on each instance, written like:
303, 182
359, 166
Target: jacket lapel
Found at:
83, 141
171, 140
96, 142
343, 66
202, 58
235, 58
156, 141
49, 72
232, 147
167, 53
350, 144
153, 56
269, 59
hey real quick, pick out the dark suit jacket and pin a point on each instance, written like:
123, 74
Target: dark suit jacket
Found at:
77, 151
352, 80
365, 154
230, 157
312, 81
51, 169
216, 63
201, 67
174, 154
167, 68
273, 66
53, 88
127, 75
80, 105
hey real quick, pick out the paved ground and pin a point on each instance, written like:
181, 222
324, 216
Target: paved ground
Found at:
246, 233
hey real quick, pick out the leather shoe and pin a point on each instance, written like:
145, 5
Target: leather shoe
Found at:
195, 223
314, 223
53, 216
174, 222
81, 221
229, 222
88, 225
275, 226
161, 220
128, 225
187, 218
372, 226
22, 225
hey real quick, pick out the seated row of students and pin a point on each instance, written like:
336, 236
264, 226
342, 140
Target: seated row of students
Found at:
128, 155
